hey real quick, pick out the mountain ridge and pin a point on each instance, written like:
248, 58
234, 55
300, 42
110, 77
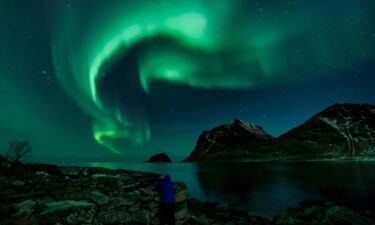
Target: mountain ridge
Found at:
341, 130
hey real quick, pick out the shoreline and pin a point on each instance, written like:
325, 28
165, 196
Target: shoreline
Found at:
51, 194
343, 159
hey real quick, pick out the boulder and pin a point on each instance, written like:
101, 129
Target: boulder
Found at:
114, 217
201, 220
141, 216
18, 183
24, 209
120, 201
99, 198
70, 212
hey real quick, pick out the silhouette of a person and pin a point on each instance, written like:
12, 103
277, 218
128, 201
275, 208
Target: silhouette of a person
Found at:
165, 188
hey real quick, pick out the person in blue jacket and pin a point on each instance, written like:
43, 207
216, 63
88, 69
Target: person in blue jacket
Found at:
165, 188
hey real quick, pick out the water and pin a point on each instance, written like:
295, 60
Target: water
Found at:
267, 188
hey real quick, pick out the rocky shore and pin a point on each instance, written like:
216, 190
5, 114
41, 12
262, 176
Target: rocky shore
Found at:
48, 194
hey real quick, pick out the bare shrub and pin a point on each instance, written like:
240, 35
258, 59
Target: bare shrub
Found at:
18, 150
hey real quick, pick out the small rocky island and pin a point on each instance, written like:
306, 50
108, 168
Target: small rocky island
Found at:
162, 157
340, 132
41, 194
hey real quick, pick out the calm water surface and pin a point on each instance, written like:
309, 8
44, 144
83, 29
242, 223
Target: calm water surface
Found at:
267, 188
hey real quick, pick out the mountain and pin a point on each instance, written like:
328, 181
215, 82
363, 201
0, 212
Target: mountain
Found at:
228, 141
339, 130
342, 130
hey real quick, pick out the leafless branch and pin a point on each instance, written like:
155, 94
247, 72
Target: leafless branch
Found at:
18, 150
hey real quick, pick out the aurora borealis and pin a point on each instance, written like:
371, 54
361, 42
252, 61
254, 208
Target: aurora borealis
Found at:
79, 78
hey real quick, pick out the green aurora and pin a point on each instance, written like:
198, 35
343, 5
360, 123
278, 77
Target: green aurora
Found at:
232, 45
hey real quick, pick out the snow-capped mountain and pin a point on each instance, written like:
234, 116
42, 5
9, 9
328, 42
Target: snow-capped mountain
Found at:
228, 141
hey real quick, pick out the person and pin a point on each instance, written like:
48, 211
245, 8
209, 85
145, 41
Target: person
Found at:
165, 188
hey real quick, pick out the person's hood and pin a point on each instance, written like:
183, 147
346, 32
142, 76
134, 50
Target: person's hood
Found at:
167, 178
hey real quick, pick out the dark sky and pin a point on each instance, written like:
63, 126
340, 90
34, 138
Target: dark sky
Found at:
110, 79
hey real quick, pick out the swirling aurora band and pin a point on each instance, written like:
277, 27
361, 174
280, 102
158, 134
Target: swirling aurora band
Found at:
227, 45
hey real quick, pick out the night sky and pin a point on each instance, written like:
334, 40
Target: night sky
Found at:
103, 80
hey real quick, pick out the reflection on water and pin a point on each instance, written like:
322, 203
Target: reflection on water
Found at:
268, 187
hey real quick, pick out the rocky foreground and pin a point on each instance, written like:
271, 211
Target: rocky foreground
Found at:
47, 194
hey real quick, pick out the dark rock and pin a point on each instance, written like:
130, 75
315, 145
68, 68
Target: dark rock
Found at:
18, 183
4, 163
114, 217
46, 168
291, 216
202, 220
6, 211
24, 209
120, 201
215, 213
342, 215
322, 213
162, 157
70, 212
99, 198
141, 216
181, 197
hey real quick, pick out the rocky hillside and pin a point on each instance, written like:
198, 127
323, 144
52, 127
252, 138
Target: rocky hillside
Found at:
342, 130
228, 141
